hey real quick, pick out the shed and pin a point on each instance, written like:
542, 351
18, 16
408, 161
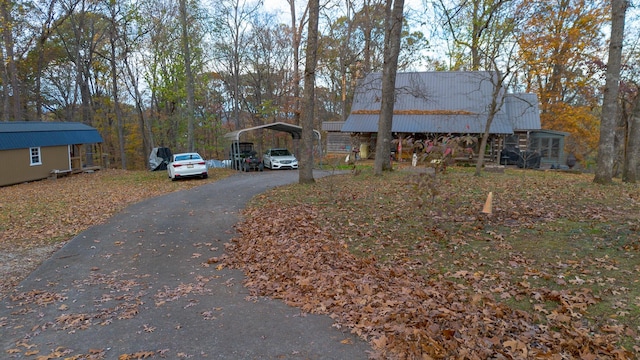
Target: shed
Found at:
35, 150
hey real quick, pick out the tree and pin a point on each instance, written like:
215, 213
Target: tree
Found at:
46, 30
393, 33
114, 47
189, 80
131, 41
296, 40
604, 166
307, 141
268, 60
469, 26
630, 171
485, 43
232, 28
559, 47
6, 8
353, 46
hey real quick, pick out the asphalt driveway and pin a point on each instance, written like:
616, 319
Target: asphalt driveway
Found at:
140, 286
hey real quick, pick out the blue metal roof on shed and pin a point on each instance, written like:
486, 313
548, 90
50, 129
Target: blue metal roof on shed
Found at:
26, 134
439, 102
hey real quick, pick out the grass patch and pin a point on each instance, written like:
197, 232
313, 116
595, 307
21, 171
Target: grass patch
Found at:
50, 211
555, 245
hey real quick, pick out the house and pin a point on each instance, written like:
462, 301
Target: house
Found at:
34, 150
432, 104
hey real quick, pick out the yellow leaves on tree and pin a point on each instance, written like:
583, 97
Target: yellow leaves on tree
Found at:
558, 43
579, 121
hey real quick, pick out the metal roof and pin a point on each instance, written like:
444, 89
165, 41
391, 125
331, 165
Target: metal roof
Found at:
523, 111
435, 102
294, 130
332, 125
436, 124
26, 134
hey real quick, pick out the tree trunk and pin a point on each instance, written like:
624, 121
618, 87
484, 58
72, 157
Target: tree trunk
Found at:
189, 76
12, 69
366, 66
306, 157
114, 88
4, 78
630, 172
143, 122
391, 51
494, 107
604, 166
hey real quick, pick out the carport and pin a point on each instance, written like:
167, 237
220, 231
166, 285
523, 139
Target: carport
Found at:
236, 151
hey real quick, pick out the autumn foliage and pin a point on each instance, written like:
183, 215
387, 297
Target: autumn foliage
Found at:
434, 278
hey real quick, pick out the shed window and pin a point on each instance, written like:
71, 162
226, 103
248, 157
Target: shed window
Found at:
548, 147
35, 156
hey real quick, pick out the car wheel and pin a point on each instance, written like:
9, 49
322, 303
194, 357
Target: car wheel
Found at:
204, 176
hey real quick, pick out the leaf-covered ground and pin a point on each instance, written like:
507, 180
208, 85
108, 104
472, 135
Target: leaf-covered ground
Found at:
411, 263
37, 218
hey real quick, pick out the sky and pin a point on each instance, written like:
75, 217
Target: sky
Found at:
282, 6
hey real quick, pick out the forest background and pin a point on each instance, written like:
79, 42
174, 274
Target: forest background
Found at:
183, 73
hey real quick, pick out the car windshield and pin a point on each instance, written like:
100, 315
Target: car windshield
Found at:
187, 157
280, 152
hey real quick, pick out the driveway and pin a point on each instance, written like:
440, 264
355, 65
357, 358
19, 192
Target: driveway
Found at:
141, 286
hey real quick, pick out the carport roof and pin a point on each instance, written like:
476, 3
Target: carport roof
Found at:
294, 130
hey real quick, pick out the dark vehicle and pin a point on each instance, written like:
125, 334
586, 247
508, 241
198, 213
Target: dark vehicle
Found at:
239, 151
509, 156
251, 162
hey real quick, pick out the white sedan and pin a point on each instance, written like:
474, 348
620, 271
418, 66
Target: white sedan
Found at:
279, 159
187, 165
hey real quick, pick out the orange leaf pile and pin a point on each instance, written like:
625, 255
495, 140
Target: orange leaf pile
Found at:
310, 264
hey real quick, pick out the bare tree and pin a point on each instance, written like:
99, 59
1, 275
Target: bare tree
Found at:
4, 78
189, 84
50, 23
393, 34
114, 47
486, 43
604, 165
233, 27
306, 156
296, 40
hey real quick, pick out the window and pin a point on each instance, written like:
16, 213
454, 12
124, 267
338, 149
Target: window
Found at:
35, 156
555, 148
548, 147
